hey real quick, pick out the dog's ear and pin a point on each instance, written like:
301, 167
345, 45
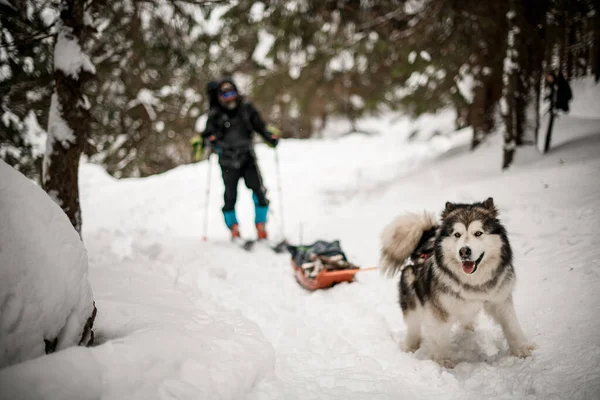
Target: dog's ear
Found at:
449, 208
489, 205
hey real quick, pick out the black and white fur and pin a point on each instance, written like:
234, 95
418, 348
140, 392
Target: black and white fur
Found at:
470, 269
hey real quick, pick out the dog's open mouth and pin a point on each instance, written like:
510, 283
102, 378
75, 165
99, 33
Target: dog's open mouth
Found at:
469, 267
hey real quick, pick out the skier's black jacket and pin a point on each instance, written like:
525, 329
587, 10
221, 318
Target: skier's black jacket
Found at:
560, 92
233, 130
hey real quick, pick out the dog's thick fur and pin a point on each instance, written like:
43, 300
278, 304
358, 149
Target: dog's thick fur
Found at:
470, 269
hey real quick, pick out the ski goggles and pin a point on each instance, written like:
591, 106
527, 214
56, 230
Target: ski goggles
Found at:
228, 94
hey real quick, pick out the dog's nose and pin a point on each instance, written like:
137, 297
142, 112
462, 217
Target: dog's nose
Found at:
465, 252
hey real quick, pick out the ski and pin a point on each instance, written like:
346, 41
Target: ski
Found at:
244, 244
278, 248
248, 245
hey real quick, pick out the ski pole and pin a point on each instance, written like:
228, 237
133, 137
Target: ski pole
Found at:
207, 198
279, 190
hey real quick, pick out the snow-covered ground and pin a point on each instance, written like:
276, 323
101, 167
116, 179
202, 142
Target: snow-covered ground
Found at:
179, 318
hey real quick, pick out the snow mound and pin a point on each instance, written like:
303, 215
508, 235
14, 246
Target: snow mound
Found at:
45, 292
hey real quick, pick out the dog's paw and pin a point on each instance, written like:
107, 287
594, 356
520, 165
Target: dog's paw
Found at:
523, 350
446, 363
410, 347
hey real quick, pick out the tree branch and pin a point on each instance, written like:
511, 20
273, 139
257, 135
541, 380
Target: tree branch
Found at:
28, 40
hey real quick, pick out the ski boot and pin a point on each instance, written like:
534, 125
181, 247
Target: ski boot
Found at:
261, 231
235, 232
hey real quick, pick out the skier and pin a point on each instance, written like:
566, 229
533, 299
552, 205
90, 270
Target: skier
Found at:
232, 120
560, 91
559, 96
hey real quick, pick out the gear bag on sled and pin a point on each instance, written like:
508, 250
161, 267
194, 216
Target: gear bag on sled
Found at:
322, 265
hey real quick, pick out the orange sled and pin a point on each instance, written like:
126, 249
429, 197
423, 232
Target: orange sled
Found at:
325, 278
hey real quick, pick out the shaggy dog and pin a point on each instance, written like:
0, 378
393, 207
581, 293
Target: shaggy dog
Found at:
458, 268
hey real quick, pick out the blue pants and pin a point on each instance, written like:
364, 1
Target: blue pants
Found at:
253, 180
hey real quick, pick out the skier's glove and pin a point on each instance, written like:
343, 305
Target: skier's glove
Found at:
197, 148
273, 141
274, 133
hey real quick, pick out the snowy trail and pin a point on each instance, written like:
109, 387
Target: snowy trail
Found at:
179, 318
344, 342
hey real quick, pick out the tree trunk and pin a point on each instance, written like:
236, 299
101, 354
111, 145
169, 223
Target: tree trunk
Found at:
68, 122
510, 79
521, 103
544, 63
539, 102
482, 109
488, 51
596, 49
548, 140
478, 115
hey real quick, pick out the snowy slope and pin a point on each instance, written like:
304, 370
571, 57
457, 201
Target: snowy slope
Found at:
183, 319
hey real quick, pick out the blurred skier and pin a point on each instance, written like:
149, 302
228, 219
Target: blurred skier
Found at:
560, 91
232, 121
559, 96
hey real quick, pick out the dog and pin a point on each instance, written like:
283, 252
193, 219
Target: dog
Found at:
457, 268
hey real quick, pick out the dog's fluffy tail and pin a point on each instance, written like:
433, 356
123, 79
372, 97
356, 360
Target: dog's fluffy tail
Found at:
400, 238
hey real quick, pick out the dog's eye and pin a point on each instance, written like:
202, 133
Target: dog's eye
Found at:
457, 235
478, 233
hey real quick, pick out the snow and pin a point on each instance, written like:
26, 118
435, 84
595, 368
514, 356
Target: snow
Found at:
264, 45
58, 131
357, 101
396, 127
342, 62
181, 318
45, 292
158, 338
257, 12
416, 79
68, 56
28, 65
465, 83
35, 135
9, 118
586, 98
7, 150
204, 25
413, 6
147, 99
200, 124
5, 72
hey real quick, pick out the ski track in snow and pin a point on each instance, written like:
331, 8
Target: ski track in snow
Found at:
344, 342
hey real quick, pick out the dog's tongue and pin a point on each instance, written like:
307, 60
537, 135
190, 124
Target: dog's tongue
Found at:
468, 266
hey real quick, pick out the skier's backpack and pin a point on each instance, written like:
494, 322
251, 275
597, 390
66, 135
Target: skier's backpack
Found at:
303, 254
212, 89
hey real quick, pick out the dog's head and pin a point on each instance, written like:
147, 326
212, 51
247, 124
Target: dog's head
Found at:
471, 237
